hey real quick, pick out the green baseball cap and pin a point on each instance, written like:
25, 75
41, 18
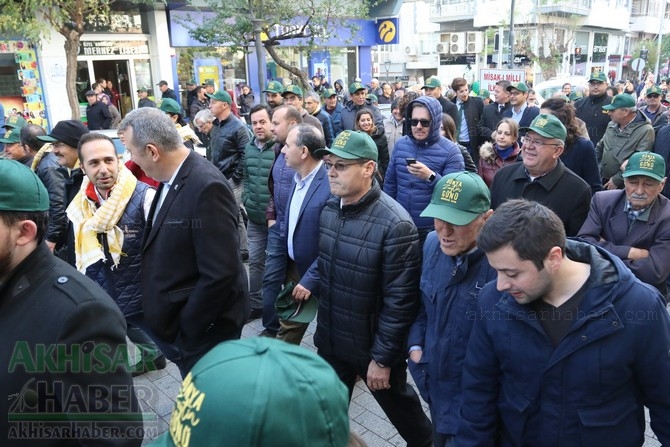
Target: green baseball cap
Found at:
356, 86
221, 95
432, 82
598, 76
14, 122
294, 89
274, 87
169, 105
548, 126
297, 311
648, 164
574, 96
11, 136
142, 90
458, 198
352, 145
654, 90
483, 93
191, 82
260, 392
21, 189
372, 97
622, 100
210, 82
521, 86
327, 93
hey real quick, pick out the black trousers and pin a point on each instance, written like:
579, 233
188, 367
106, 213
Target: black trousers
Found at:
400, 403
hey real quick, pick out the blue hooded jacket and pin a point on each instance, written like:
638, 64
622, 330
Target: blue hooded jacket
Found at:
439, 154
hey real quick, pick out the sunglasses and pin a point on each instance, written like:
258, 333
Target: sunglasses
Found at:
415, 122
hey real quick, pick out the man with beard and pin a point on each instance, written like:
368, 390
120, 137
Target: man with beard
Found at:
273, 94
590, 108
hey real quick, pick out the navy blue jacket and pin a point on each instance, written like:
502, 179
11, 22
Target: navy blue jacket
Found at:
439, 154
591, 389
336, 116
580, 158
527, 117
448, 294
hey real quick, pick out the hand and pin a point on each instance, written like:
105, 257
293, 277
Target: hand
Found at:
378, 378
609, 185
271, 222
419, 170
300, 293
637, 253
51, 245
416, 355
623, 165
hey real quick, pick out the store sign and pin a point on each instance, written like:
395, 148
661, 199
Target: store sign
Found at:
112, 48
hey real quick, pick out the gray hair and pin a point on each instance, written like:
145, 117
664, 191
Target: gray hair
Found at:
632, 109
310, 137
204, 116
312, 94
152, 126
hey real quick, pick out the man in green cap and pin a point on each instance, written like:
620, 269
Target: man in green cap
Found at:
144, 101
543, 177
358, 101
14, 150
629, 131
590, 108
520, 111
369, 269
62, 336
460, 205
333, 107
293, 96
273, 94
654, 110
433, 87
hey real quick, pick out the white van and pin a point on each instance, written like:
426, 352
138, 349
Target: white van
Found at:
547, 89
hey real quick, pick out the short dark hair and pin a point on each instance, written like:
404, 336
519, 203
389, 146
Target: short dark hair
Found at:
92, 136
29, 134
41, 219
197, 90
310, 137
259, 107
530, 228
504, 83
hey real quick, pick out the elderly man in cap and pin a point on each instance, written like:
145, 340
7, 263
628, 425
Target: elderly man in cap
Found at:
166, 92
98, 115
228, 139
654, 110
542, 177
369, 270
144, 101
65, 138
590, 108
293, 96
62, 336
14, 149
520, 111
634, 223
629, 131
273, 94
357, 102
460, 205
433, 87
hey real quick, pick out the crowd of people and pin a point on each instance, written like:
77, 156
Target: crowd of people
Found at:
512, 256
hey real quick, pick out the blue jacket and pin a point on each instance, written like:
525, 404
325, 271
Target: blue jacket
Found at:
591, 389
336, 116
439, 154
448, 294
580, 158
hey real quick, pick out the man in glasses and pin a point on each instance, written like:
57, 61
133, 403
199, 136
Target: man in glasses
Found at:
590, 108
543, 178
654, 110
521, 111
369, 269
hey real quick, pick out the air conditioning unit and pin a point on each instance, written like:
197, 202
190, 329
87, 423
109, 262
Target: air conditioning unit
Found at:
445, 42
442, 48
474, 42
457, 43
411, 50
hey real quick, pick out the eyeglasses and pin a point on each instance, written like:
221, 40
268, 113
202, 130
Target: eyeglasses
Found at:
516, 92
530, 142
340, 167
424, 123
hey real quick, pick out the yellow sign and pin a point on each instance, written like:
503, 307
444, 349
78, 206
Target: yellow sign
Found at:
386, 31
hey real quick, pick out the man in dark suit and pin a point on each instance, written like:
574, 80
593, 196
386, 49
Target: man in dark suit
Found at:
195, 288
492, 113
521, 111
469, 113
634, 223
300, 232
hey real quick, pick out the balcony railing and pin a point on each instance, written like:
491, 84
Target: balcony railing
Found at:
453, 8
565, 7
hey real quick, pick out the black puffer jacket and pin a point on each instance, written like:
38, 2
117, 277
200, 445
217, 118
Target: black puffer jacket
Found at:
369, 264
228, 140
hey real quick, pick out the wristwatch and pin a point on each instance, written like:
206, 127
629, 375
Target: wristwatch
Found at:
432, 177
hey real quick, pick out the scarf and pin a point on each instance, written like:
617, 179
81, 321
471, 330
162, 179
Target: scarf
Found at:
40, 155
89, 221
186, 133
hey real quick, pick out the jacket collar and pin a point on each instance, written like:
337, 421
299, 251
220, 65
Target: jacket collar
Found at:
368, 199
547, 181
27, 272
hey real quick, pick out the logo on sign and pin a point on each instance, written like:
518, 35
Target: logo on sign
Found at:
386, 31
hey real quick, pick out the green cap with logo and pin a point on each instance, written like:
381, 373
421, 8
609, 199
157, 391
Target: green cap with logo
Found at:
432, 82
14, 122
620, 101
221, 95
260, 392
649, 164
11, 136
292, 89
548, 126
372, 97
598, 76
297, 311
327, 93
356, 86
521, 86
458, 198
169, 105
352, 145
483, 93
210, 82
21, 189
654, 90
274, 87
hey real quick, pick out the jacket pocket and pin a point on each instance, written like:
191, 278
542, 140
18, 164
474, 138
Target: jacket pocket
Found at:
620, 423
179, 295
419, 372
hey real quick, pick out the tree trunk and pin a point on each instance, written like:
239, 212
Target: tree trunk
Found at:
71, 50
270, 48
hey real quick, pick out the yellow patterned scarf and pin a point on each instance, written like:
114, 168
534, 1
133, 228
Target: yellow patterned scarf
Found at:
89, 222
40, 155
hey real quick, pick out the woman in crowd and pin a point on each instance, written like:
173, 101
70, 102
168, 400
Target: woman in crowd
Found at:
365, 122
504, 150
116, 115
448, 131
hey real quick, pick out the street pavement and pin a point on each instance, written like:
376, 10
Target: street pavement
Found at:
157, 391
